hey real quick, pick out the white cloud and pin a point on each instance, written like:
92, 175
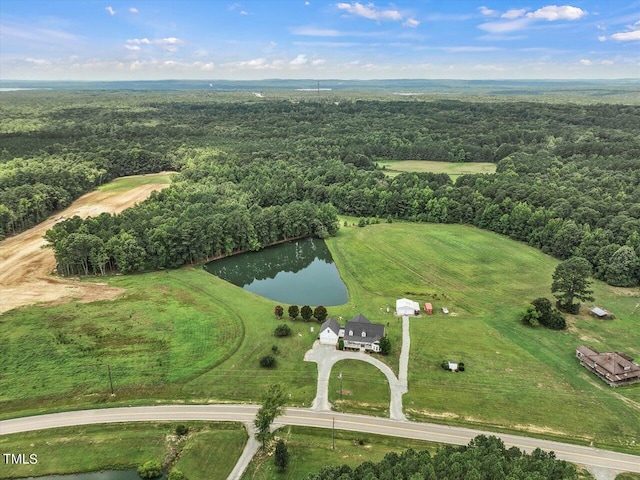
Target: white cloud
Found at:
504, 27
133, 10
139, 41
244, 12
586, 62
470, 48
607, 62
514, 13
298, 61
626, 36
555, 12
169, 44
487, 12
411, 22
110, 10
133, 48
307, 3
369, 11
314, 32
602, 38
318, 61
37, 61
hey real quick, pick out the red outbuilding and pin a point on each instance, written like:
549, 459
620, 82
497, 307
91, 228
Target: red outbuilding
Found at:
428, 308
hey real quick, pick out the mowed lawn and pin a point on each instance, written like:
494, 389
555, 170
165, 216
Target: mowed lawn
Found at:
453, 169
516, 378
216, 446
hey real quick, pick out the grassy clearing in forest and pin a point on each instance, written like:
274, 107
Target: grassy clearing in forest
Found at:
124, 184
453, 169
123, 446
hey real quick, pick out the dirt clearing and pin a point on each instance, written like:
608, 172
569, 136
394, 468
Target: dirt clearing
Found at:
26, 268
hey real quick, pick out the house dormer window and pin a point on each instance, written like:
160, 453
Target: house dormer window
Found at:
351, 333
364, 334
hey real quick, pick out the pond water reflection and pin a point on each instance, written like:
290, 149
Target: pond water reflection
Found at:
300, 272
131, 474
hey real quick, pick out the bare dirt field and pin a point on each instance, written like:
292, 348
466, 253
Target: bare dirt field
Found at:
26, 268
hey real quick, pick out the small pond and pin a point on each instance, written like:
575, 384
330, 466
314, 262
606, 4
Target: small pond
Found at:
131, 474
300, 272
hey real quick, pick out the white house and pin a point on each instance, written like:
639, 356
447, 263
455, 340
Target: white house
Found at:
404, 306
360, 334
329, 332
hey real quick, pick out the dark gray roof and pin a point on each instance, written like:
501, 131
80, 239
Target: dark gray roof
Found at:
360, 318
332, 323
360, 323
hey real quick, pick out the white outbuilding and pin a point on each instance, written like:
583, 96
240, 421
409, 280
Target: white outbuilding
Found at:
329, 332
404, 306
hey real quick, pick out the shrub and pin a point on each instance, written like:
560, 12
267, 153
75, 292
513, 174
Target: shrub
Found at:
268, 361
341, 344
176, 475
182, 430
320, 313
445, 365
278, 311
461, 367
281, 458
150, 469
283, 330
385, 345
306, 313
275, 349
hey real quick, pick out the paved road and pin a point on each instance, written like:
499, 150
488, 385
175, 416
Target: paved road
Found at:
592, 458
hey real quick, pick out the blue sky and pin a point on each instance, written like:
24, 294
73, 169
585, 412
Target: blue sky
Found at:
214, 39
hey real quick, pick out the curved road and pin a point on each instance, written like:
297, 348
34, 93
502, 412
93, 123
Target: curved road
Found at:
591, 458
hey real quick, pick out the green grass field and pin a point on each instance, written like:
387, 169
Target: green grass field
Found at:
185, 335
124, 446
453, 169
127, 183
310, 449
517, 378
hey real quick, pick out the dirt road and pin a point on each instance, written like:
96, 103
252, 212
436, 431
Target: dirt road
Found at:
25, 267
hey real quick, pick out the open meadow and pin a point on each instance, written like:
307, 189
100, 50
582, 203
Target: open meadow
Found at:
209, 451
185, 335
453, 169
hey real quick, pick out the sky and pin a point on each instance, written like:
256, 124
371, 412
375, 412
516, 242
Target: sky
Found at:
313, 39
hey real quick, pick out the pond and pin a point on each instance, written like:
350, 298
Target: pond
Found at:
300, 272
131, 474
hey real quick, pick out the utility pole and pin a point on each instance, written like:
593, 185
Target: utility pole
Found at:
333, 434
110, 379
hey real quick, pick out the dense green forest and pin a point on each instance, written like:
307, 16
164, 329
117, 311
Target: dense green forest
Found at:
483, 458
256, 171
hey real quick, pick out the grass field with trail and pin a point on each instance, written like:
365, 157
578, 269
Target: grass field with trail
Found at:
185, 335
123, 446
453, 169
517, 378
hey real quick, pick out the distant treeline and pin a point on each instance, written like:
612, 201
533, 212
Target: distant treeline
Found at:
567, 181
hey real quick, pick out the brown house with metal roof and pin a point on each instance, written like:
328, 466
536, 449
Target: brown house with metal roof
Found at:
615, 368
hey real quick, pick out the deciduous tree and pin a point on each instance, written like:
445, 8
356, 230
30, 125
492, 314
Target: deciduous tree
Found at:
571, 281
